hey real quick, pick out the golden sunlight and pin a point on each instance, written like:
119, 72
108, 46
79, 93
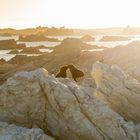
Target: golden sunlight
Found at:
69, 13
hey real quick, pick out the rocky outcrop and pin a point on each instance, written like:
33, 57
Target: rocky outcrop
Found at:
127, 57
13, 132
10, 44
119, 90
73, 45
87, 38
36, 38
61, 108
21, 59
114, 38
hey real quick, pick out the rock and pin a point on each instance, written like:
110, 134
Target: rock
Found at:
6, 35
73, 45
114, 38
36, 38
119, 90
13, 132
31, 50
4, 69
10, 44
14, 52
2, 61
61, 108
87, 38
21, 59
126, 57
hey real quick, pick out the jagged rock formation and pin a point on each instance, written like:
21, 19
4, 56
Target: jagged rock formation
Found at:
119, 90
61, 108
13, 132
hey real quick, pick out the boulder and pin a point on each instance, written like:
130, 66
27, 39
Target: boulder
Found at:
61, 108
119, 90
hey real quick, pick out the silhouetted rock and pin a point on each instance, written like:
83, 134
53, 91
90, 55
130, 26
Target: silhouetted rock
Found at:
71, 45
87, 38
10, 44
36, 38
114, 38
75, 72
62, 72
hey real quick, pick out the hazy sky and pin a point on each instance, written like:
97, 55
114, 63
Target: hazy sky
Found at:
69, 13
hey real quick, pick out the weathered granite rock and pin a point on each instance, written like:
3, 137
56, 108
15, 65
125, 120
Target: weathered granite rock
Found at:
13, 132
119, 90
61, 108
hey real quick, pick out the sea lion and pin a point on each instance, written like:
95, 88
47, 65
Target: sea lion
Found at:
62, 72
76, 73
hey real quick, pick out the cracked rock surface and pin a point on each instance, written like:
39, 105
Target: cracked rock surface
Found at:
13, 132
119, 90
63, 109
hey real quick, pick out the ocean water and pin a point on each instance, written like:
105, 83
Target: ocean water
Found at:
4, 54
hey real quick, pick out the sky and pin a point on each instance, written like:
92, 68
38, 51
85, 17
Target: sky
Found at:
69, 13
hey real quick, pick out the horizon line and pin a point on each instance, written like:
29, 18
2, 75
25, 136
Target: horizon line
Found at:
94, 28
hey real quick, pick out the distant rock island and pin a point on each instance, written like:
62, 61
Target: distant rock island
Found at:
87, 38
114, 38
37, 38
